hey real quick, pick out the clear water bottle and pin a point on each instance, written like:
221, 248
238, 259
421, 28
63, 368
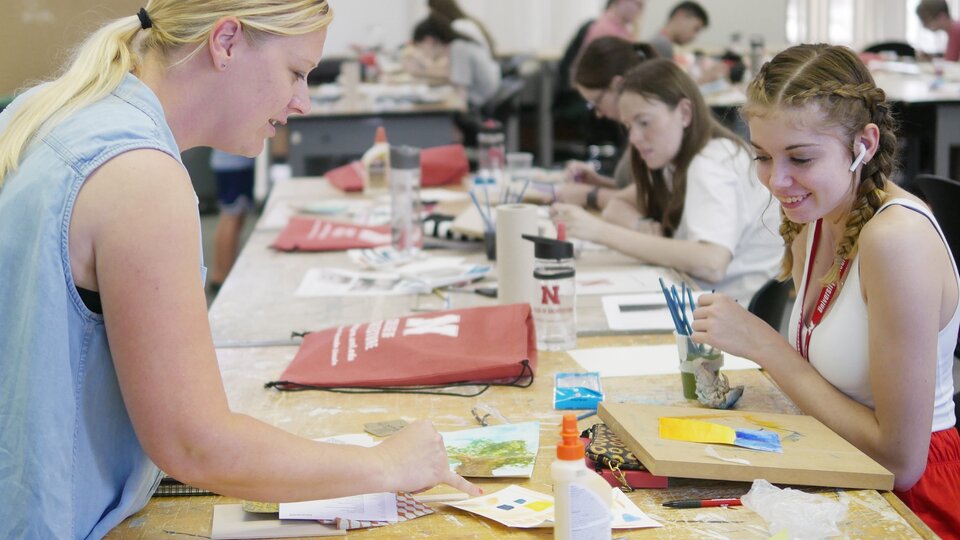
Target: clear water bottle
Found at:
406, 228
555, 307
491, 148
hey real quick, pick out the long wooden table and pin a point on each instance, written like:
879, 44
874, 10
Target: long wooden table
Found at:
318, 414
242, 315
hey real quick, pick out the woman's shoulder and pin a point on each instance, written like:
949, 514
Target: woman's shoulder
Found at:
904, 225
725, 153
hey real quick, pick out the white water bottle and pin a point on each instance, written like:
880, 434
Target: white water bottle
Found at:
581, 497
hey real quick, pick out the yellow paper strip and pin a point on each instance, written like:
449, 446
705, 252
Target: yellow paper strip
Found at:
682, 429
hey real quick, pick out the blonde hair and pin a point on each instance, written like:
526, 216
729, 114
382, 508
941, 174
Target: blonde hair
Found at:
833, 79
99, 64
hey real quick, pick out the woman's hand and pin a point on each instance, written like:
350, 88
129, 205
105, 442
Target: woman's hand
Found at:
572, 193
580, 223
415, 459
580, 172
721, 322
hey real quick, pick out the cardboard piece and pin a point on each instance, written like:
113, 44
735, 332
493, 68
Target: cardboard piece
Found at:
812, 454
230, 521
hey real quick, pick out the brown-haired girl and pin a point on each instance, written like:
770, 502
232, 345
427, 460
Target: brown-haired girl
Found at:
694, 205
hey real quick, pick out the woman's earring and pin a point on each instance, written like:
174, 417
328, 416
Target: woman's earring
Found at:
223, 66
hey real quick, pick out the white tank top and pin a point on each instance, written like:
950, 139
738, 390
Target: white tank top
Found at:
839, 348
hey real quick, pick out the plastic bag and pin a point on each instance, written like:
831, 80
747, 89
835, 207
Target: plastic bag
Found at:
804, 516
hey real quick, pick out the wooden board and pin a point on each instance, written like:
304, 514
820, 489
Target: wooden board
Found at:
812, 454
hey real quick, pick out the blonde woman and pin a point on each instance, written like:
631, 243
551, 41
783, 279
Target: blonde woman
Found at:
875, 322
108, 367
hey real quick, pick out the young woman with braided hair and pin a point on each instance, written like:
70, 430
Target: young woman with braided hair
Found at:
101, 239
874, 326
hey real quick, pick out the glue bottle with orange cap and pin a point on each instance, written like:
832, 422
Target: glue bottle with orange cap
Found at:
582, 498
376, 161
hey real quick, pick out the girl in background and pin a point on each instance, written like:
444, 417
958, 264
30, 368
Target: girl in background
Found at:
694, 205
598, 74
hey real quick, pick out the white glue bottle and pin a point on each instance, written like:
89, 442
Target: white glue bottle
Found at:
582, 498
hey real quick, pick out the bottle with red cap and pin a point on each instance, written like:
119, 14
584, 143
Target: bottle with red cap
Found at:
376, 160
555, 308
582, 498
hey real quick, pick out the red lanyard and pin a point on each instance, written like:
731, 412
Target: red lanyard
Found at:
823, 302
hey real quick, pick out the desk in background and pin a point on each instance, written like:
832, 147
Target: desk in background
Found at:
340, 128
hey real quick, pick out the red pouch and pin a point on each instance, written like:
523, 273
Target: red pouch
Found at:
442, 165
348, 177
487, 346
314, 234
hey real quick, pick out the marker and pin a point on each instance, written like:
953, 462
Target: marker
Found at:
702, 503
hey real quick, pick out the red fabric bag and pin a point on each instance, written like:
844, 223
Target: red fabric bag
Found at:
442, 165
494, 345
348, 177
439, 166
314, 234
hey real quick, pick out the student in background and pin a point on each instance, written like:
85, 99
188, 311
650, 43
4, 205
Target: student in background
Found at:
470, 67
874, 326
462, 23
620, 19
234, 176
685, 21
107, 243
935, 16
695, 205
597, 77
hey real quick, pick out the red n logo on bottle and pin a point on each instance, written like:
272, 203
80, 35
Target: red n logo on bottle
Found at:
550, 295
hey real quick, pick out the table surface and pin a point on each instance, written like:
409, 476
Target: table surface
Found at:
257, 303
264, 282
383, 99
318, 414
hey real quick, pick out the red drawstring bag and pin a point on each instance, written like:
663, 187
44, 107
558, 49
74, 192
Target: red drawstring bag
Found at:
314, 234
439, 166
423, 353
442, 165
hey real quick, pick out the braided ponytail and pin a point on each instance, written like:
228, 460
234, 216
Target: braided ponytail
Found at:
834, 79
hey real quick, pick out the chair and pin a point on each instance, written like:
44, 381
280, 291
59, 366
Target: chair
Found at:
897, 47
504, 107
770, 302
943, 196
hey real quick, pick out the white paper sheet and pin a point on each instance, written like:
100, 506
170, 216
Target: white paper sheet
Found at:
643, 360
647, 311
370, 507
519, 507
640, 280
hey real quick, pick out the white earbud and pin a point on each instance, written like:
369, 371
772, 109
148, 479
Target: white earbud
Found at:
863, 153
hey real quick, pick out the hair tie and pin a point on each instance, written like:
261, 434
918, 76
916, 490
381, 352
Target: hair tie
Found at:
144, 17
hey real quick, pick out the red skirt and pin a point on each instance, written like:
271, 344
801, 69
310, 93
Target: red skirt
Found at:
935, 498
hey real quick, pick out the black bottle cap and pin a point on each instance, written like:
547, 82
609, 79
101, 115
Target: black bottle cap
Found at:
404, 157
550, 248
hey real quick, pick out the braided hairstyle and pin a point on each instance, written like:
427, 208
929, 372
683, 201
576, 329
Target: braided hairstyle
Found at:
833, 79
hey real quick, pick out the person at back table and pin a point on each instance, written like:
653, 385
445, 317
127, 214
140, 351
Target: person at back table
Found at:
620, 19
468, 65
695, 205
684, 23
873, 329
935, 16
107, 244
462, 23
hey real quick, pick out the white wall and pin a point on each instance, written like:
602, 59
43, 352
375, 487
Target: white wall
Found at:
543, 26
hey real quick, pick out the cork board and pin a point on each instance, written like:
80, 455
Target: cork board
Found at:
812, 454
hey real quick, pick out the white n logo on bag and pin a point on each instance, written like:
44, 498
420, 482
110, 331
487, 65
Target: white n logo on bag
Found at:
444, 325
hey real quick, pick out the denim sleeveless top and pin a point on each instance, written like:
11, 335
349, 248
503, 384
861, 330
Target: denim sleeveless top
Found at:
70, 463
